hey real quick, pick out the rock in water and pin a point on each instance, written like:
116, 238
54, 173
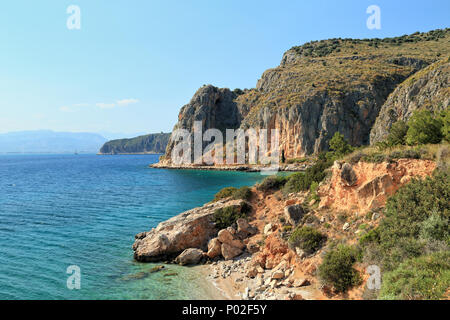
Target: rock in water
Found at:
190, 229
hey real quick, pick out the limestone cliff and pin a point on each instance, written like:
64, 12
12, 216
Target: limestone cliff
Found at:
318, 89
428, 89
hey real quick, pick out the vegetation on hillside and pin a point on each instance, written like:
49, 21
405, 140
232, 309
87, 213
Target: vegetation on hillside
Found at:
337, 268
152, 143
243, 193
227, 216
338, 67
307, 238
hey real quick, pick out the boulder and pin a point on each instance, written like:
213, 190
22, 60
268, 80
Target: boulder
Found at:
278, 274
252, 272
301, 283
348, 175
229, 252
190, 229
244, 229
214, 248
293, 214
189, 256
225, 236
252, 247
268, 228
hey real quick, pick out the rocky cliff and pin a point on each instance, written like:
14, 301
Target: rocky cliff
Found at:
152, 143
428, 89
366, 186
323, 87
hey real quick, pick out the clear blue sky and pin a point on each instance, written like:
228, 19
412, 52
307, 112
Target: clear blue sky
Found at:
135, 63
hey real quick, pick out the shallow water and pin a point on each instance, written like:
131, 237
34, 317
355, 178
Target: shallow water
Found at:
84, 210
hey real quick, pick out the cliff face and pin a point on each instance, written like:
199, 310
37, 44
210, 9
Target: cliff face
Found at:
318, 89
428, 89
372, 185
152, 143
214, 107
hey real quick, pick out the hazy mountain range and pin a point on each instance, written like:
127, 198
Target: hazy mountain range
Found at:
46, 141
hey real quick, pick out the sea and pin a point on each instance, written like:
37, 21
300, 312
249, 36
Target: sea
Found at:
67, 224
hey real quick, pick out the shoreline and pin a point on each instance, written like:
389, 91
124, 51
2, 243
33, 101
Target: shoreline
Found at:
239, 168
129, 154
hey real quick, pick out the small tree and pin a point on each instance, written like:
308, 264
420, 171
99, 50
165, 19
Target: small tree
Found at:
339, 145
397, 135
445, 119
337, 268
423, 128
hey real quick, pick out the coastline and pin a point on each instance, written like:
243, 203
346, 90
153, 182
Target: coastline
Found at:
129, 154
242, 168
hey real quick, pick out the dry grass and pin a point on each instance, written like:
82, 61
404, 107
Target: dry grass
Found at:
352, 66
435, 152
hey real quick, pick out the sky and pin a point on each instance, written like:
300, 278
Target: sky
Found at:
132, 64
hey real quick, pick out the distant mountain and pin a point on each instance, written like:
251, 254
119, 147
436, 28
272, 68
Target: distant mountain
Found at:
46, 141
120, 135
151, 143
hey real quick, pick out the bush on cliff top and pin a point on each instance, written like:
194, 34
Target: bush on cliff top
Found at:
243, 193
302, 181
225, 217
272, 183
225, 193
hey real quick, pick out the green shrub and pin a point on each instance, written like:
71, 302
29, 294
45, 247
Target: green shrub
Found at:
302, 181
370, 237
243, 193
224, 193
413, 204
337, 268
435, 227
339, 145
272, 183
225, 217
306, 238
423, 128
425, 278
414, 217
397, 134
445, 119
405, 154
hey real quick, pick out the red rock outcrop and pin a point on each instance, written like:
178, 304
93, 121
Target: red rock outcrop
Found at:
375, 182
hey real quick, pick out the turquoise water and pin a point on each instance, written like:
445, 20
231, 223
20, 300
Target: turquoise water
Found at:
84, 210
